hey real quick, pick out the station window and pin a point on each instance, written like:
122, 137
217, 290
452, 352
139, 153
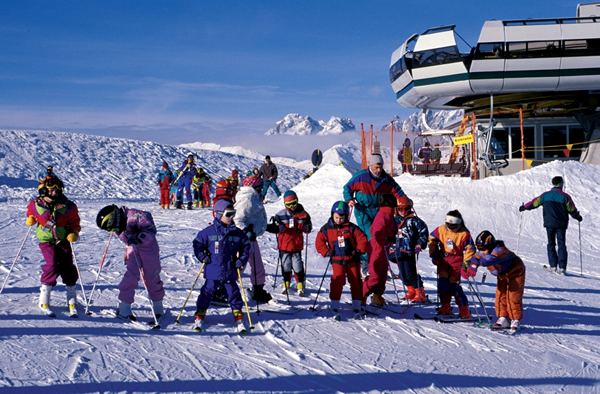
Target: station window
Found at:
528, 141
501, 151
589, 47
556, 139
576, 137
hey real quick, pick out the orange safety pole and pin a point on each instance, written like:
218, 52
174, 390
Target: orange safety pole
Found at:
522, 141
474, 148
363, 162
392, 149
370, 142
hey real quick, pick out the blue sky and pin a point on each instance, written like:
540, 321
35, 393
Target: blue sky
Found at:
212, 71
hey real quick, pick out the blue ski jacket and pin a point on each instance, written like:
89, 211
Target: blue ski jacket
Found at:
221, 247
412, 231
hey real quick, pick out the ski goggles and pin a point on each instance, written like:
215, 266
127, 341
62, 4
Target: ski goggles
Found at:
291, 204
403, 209
453, 223
52, 183
229, 213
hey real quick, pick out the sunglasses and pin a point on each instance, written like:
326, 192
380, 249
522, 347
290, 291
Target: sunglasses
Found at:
229, 213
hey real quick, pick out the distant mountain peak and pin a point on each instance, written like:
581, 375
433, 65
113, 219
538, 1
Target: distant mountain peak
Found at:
296, 124
436, 120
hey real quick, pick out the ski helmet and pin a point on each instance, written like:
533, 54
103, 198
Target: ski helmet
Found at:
253, 181
290, 199
404, 202
50, 182
110, 218
486, 240
223, 184
341, 208
234, 173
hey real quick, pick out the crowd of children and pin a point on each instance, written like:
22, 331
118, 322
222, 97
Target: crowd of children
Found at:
230, 243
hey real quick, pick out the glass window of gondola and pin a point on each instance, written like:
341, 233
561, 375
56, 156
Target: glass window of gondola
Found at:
397, 69
589, 47
533, 49
433, 57
492, 50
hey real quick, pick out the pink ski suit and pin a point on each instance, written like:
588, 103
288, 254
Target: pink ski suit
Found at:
140, 238
383, 233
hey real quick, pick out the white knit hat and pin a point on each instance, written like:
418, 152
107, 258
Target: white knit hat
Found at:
375, 159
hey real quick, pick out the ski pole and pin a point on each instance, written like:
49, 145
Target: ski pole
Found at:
481, 301
580, 250
245, 301
519, 233
157, 326
387, 257
255, 280
276, 271
306, 256
471, 290
98, 275
319, 291
190, 293
17, 257
78, 274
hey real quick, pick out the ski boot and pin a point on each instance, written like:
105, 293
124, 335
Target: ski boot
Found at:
159, 311
72, 300
124, 311
238, 316
445, 309
179, 204
502, 322
199, 322
357, 308
378, 300
259, 294
464, 312
286, 286
411, 292
189, 205
301, 289
420, 295
335, 310
44, 302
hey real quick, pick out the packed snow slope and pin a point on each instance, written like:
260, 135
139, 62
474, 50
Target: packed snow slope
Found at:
100, 167
558, 351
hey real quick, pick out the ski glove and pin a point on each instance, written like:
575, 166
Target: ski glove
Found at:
134, 241
239, 264
31, 220
330, 253
418, 249
469, 270
579, 218
522, 208
251, 236
72, 237
281, 228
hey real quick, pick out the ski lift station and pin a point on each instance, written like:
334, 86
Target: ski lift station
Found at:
530, 89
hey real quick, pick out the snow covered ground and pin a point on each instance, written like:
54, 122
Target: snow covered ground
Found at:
558, 351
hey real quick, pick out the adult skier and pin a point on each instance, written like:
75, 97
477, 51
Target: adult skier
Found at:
268, 172
164, 179
558, 205
58, 224
186, 177
362, 193
251, 217
136, 229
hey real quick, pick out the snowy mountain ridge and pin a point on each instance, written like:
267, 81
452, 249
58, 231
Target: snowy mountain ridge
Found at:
436, 120
296, 124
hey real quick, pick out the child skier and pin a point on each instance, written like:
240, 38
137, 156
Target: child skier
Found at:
135, 229
186, 176
164, 179
174, 187
293, 222
57, 221
252, 219
509, 269
343, 242
225, 249
411, 239
383, 234
450, 245
204, 192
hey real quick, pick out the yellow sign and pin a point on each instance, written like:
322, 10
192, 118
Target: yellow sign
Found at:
528, 162
467, 139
